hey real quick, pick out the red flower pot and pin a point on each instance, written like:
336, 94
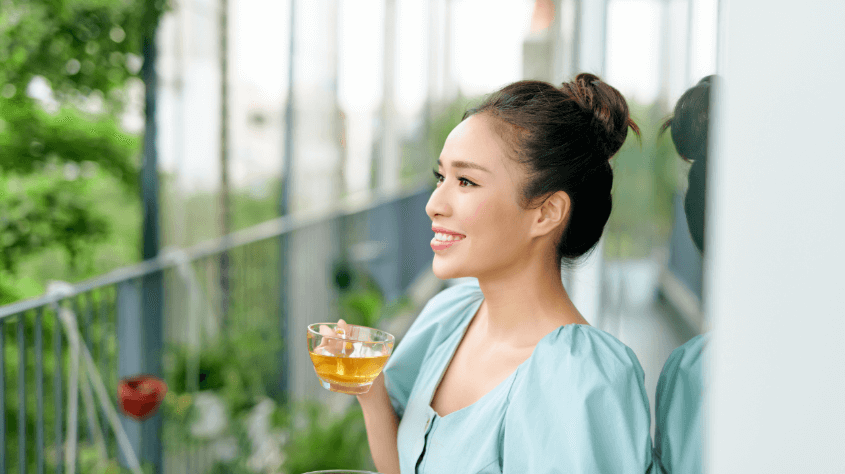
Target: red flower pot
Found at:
141, 395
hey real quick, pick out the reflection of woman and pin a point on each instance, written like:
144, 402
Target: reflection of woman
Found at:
679, 397
505, 375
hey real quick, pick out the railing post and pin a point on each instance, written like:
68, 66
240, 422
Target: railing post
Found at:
284, 209
152, 347
129, 352
151, 333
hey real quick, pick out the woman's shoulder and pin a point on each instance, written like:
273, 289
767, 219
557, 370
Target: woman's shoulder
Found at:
589, 345
581, 384
689, 354
586, 356
686, 361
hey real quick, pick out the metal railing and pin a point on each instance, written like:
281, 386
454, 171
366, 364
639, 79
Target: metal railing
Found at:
280, 279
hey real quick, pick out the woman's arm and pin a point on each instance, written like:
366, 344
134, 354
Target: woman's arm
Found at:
382, 427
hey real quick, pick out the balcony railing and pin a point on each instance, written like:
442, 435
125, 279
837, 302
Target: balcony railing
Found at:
280, 279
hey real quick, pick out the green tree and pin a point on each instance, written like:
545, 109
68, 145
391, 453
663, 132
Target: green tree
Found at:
87, 53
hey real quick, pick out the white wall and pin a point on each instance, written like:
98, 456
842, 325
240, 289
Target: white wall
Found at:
774, 284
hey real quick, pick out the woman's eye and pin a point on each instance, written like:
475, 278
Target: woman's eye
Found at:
438, 177
463, 181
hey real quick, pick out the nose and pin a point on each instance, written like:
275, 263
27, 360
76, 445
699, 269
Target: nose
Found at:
438, 203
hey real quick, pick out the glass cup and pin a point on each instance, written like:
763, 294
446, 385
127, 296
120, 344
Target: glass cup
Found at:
340, 471
347, 361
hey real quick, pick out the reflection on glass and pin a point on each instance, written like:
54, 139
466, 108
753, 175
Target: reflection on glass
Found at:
680, 389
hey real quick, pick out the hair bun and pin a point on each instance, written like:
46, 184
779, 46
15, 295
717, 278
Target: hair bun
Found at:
609, 111
690, 121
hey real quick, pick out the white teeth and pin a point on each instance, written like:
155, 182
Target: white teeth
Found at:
447, 237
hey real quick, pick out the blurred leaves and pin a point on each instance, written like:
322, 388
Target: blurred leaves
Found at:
30, 136
645, 180
328, 442
46, 211
78, 46
361, 300
66, 71
240, 367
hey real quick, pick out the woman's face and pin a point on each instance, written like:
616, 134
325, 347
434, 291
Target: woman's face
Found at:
480, 228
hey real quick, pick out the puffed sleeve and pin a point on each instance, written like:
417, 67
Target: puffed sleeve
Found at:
580, 407
442, 315
678, 410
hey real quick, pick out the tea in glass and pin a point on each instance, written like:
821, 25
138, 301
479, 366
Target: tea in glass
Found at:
348, 361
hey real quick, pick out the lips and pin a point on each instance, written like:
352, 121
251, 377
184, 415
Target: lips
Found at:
445, 238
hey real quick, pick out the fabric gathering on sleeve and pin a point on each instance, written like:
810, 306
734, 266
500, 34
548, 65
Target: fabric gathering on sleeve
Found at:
580, 406
678, 410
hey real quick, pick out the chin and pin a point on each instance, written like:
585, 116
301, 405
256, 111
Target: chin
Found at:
445, 271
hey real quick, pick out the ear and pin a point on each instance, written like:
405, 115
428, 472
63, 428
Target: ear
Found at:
552, 214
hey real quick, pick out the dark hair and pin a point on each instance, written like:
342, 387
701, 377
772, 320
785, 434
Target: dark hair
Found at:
564, 137
689, 123
690, 127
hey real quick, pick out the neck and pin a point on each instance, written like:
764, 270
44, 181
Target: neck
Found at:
524, 303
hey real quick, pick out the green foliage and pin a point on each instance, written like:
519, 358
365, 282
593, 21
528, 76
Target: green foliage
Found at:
31, 137
645, 176
51, 363
85, 54
78, 46
361, 300
46, 210
240, 367
327, 442
55, 229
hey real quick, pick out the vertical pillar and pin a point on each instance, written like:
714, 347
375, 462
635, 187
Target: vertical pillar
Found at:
591, 47
592, 36
315, 179
314, 184
284, 209
774, 259
129, 353
389, 166
225, 212
151, 333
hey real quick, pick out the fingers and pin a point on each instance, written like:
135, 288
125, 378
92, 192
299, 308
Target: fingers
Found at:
329, 344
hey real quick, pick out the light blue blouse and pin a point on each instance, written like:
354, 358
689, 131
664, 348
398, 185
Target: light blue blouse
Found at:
678, 410
577, 405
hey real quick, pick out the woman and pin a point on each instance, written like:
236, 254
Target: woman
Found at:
506, 375
679, 397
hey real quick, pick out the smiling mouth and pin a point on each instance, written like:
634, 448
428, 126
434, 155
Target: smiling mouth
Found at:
441, 237
443, 241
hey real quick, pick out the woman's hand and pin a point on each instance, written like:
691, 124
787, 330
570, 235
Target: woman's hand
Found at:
329, 345
379, 417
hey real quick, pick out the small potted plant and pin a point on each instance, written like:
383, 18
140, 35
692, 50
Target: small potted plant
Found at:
141, 395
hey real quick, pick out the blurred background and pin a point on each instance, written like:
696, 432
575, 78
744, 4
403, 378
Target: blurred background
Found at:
188, 183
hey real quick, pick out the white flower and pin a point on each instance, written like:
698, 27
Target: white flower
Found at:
213, 415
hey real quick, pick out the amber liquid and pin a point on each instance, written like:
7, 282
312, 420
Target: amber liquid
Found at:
348, 371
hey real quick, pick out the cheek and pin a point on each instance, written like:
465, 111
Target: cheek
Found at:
479, 213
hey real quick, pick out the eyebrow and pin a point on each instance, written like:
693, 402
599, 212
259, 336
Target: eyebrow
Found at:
465, 164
